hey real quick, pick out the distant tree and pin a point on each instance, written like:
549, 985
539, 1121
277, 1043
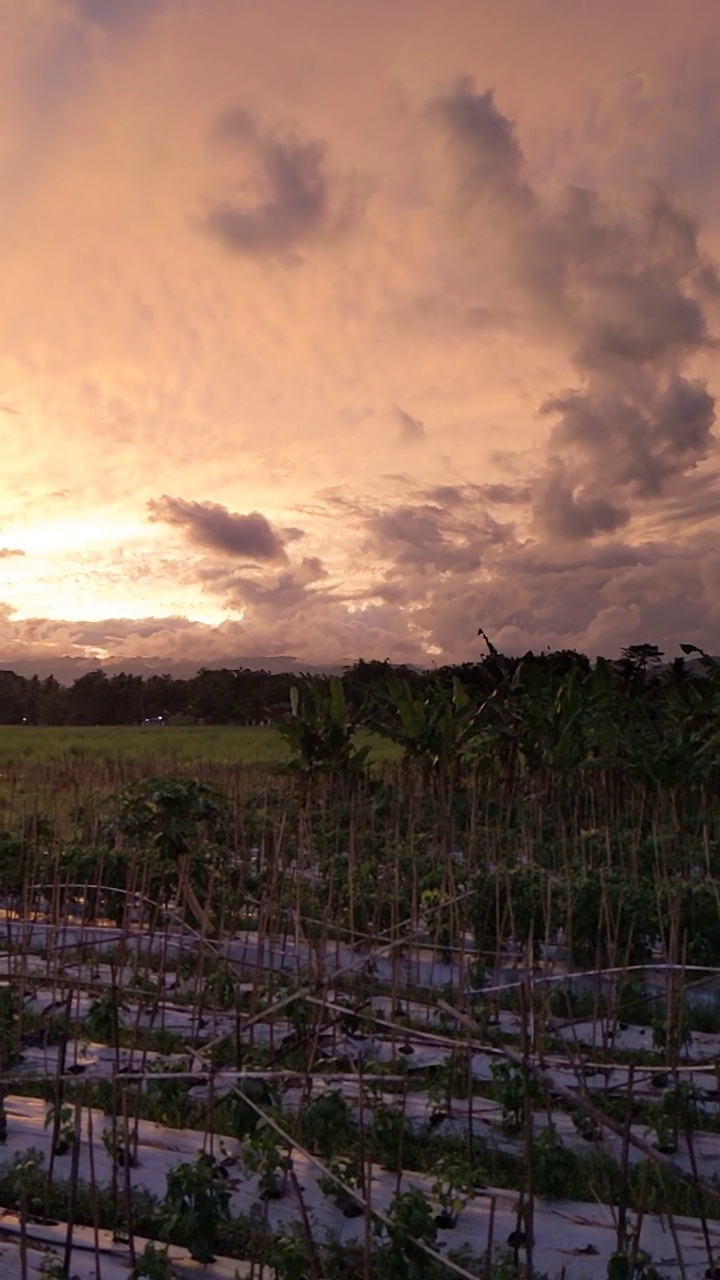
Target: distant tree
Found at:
643, 656
125, 698
13, 697
90, 699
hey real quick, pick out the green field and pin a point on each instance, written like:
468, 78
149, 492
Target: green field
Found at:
25, 744
226, 744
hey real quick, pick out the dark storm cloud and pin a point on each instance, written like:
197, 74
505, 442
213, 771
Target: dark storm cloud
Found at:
565, 514
593, 597
212, 526
625, 293
596, 561
504, 493
279, 595
637, 441
297, 201
636, 285
483, 144
440, 529
412, 430
428, 537
639, 320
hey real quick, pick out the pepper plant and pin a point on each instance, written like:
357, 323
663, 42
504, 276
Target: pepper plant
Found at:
197, 1202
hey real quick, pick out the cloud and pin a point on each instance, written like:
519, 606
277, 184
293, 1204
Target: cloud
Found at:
295, 201
698, 502
112, 15
274, 596
425, 537
212, 526
625, 293
433, 315
635, 285
638, 440
595, 597
563, 513
483, 145
412, 430
499, 494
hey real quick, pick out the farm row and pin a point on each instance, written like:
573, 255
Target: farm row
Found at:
372, 1023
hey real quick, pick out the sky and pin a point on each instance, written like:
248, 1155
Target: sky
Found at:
336, 329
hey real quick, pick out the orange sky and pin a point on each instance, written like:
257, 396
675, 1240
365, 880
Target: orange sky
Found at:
338, 329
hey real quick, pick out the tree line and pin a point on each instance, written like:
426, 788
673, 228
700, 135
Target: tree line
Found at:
243, 696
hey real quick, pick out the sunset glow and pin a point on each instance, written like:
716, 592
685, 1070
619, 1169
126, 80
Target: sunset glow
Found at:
338, 330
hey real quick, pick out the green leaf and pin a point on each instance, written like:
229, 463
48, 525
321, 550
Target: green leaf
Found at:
338, 706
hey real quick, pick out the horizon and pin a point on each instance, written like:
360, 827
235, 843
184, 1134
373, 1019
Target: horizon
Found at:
66, 670
344, 329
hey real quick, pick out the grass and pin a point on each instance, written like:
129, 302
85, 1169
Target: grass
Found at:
226, 744
246, 744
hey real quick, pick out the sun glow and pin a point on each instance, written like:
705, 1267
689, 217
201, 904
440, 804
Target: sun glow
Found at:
79, 534
92, 568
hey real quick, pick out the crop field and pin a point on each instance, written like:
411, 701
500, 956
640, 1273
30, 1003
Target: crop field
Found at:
22, 745
236, 744
449, 1006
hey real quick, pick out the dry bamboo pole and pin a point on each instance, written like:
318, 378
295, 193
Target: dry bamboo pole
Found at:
635, 1243
365, 1178
94, 1194
490, 1238
127, 1178
74, 1171
624, 1164
59, 1088
525, 1011
678, 1250
114, 1138
23, 1230
313, 1258
703, 1217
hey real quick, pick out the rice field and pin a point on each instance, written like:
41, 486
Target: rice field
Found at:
238, 744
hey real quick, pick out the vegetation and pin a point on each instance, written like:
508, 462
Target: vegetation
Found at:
388, 991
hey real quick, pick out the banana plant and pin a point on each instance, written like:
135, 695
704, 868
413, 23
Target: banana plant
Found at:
320, 730
433, 725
